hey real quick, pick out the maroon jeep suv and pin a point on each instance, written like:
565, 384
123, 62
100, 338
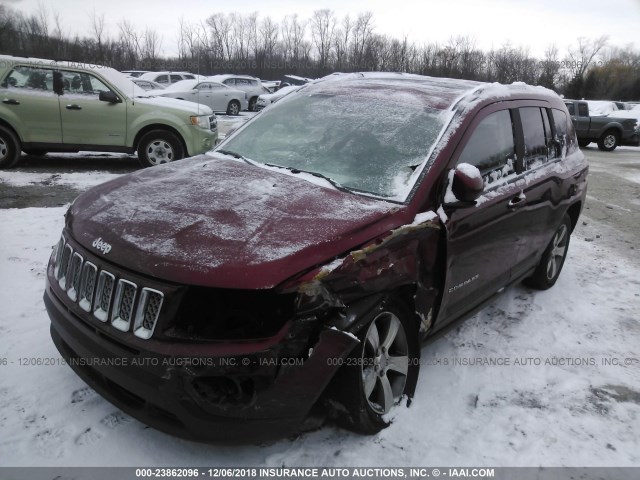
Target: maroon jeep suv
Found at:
298, 267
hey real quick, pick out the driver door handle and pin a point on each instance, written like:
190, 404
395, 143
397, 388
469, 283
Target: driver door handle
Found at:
10, 101
517, 202
74, 107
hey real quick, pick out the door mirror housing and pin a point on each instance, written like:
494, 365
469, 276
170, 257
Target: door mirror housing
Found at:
109, 97
467, 184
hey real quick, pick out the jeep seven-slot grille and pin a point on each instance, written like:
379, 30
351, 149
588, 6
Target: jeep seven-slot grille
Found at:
98, 291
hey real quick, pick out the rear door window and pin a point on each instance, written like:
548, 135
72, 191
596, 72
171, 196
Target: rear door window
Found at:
583, 110
29, 78
535, 141
162, 79
491, 147
176, 78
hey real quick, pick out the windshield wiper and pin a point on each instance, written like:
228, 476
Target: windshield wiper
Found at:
236, 155
315, 174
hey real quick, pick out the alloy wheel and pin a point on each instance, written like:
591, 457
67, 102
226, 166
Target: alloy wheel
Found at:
609, 141
3, 149
384, 362
558, 251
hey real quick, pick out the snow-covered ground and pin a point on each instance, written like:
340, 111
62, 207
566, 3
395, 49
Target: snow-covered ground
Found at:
570, 394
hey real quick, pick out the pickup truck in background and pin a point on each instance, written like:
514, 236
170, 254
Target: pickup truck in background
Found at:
608, 132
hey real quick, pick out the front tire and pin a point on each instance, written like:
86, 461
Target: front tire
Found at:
159, 146
548, 270
252, 104
9, 148
608, 141
583, 143
233, 108
379, 372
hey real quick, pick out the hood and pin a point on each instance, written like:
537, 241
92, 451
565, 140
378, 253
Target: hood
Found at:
158, 101
224, 223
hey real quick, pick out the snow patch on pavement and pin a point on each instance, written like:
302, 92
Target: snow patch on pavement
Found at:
574, 411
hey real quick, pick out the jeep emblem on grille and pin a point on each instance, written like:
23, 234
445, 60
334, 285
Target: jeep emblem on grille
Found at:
104, 247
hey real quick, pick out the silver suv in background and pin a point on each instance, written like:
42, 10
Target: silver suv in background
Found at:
251, 85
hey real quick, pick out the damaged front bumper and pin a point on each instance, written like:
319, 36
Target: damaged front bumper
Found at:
228, 392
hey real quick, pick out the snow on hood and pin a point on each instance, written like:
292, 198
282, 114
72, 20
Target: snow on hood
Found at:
188, 107
224, 223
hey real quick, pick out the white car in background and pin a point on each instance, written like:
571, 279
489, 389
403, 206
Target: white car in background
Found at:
167, 78
147, 85
217, 96
251, 85
271, 85
268, 98
134, 73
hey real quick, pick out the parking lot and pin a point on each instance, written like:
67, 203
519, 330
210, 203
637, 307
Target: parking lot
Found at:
571, 398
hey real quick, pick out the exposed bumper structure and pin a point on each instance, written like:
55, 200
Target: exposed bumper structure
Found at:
245, 398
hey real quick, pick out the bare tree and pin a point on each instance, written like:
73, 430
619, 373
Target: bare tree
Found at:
150, 45
97, 28
341, 42
221, 33
360, 36
583, 55
323, 25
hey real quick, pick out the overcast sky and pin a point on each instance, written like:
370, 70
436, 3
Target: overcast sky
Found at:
532, 23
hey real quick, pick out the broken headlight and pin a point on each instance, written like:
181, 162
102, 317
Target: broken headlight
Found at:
227, 314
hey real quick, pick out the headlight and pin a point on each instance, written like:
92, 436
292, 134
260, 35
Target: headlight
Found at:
201, 121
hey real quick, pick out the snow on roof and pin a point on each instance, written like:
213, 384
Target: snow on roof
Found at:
224, 76
434, 92
296, 77
635, 114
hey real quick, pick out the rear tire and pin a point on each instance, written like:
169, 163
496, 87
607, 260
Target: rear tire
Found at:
608, 141
550, 266
382, 368
159, 146
233, 108
9, 148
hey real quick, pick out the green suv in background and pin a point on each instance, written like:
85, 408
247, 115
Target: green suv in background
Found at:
60, 106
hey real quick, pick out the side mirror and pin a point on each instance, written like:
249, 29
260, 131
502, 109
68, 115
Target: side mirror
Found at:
467, 184
109, 97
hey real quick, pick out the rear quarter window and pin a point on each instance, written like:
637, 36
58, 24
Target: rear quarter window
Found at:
565, 133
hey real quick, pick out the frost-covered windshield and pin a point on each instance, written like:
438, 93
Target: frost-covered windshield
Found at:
367, 142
